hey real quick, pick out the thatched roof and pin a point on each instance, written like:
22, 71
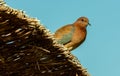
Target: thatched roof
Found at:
28, 49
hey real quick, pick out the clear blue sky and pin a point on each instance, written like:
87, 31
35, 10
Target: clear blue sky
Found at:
100, 53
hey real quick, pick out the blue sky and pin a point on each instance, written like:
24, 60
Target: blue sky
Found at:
100, 52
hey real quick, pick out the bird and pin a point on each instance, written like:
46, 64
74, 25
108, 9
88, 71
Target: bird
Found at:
72, 35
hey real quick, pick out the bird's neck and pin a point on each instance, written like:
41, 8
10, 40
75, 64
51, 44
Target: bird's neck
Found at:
80, 27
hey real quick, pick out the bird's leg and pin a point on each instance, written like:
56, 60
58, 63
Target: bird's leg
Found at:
69, 46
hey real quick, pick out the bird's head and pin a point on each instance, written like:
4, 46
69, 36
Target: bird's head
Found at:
82, 22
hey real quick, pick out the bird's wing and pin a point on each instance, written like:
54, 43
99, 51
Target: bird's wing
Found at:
64, 34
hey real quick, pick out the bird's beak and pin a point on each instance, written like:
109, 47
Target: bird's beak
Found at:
89, 24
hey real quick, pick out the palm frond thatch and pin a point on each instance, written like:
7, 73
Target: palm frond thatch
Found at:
28, 49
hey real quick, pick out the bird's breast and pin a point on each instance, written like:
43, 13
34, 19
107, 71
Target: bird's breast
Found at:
79, 35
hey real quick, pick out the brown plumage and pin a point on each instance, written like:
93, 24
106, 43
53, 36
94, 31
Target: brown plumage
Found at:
72, 35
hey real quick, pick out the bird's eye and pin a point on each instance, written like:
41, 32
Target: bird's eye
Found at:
82, 19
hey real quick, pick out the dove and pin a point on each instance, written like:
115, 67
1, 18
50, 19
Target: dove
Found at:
73, 35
